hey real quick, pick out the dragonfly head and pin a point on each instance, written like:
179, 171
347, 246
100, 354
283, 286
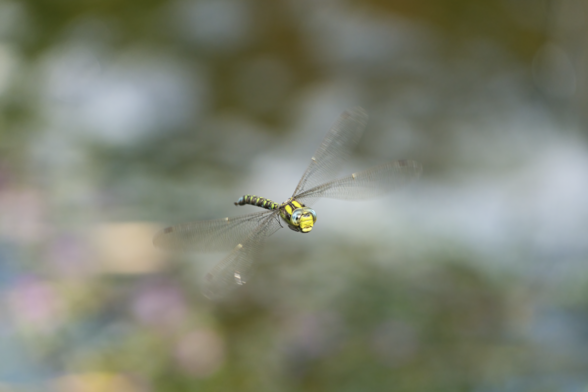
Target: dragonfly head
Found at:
304, 219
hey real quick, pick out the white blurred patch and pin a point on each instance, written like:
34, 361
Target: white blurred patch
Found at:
123, 101
219, 25
358, 38
71, 73
551, 197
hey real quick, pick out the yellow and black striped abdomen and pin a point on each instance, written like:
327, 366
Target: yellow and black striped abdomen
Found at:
257, 201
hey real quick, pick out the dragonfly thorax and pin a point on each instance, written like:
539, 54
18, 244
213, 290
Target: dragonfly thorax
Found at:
298, 217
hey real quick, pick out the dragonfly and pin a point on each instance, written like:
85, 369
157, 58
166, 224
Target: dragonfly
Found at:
245, 235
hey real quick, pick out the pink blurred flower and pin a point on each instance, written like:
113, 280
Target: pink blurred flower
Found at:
315, 335
200, 353
22, 214
160, 305
35, 304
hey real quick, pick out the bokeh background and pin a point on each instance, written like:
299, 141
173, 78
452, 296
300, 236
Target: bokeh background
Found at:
118, 118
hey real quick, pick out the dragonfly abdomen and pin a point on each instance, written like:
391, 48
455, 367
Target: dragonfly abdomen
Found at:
257, 201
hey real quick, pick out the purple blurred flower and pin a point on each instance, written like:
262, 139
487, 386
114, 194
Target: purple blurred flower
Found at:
68, 255
315, 335
35, 304
160, 305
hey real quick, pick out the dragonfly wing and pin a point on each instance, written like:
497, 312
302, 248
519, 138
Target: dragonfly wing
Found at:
372, 182
335, 148
235, 269
211, 235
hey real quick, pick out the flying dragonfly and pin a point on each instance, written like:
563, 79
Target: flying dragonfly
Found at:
246, 234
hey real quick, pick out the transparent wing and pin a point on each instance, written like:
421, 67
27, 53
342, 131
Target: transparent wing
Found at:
235, 269
372, 182
335, 148
211, 235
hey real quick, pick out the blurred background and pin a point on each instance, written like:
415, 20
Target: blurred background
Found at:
120, 118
